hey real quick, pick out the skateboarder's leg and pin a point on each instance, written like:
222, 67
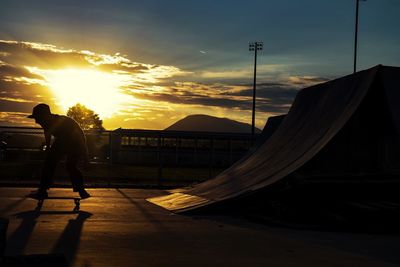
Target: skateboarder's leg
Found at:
74, 172
53, 156
76, 176
49, 167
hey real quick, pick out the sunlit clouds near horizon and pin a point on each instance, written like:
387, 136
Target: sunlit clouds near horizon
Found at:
131, 94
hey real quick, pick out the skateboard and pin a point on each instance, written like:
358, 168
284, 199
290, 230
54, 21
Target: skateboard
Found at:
77, 201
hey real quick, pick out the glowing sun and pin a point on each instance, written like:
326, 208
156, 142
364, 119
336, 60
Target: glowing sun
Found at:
96, 90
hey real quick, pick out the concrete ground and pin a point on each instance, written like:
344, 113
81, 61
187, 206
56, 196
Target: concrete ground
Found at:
118, 227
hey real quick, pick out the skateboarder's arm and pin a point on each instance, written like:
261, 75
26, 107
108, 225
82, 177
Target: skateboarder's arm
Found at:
47, 136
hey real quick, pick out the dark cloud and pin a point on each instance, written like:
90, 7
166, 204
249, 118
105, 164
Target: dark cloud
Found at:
190, 99
224, 102
308, 81
278, 95
271, 97
16, 119
292, 82
17, 72
13, 106
28, 92
316, 79
17, 100
41, 56
176, 99
270, 84
129, 68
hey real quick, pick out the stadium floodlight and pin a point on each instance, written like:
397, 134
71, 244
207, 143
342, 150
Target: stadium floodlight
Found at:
254, 46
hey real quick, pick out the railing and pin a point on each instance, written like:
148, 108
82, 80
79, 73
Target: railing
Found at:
127, 153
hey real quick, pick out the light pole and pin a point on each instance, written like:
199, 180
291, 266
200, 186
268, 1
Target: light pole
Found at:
356, 36
254, 46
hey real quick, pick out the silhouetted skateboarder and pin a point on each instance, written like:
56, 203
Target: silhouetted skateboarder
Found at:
69, 141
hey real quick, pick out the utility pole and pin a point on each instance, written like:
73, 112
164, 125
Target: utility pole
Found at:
356, 36
254, 46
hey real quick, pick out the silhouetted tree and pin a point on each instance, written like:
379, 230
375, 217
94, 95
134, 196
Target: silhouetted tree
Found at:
85, 117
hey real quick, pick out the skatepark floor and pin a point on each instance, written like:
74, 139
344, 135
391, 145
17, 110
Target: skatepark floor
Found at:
118, 227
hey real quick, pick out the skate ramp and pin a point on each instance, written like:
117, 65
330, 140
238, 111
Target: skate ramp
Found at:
317, 114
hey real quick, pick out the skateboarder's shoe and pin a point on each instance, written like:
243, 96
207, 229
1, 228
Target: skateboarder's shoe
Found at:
84, 194
38, 195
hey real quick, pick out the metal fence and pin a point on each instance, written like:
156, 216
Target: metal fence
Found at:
126, 153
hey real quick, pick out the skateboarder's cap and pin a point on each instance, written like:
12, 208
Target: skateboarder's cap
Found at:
40, 110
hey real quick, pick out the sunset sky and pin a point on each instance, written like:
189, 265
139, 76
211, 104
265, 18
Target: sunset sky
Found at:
147, 64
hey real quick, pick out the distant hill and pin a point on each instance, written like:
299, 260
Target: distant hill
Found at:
205, 123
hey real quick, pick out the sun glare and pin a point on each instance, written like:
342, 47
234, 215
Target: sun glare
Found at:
96, 90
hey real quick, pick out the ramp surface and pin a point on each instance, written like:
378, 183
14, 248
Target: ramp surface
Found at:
316, 116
